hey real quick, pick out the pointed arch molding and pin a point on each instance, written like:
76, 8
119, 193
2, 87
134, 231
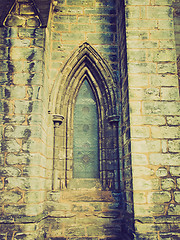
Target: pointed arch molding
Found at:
85, 62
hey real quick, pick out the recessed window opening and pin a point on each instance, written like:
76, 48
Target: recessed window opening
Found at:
85, 140
86, 143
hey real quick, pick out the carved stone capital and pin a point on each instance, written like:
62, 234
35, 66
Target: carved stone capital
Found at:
114, 118
57, 119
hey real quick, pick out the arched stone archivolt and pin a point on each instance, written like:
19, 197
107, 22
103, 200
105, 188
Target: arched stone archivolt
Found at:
85, 56
85, 64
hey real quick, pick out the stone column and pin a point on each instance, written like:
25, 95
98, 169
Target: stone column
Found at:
58, 171
22, 156
154, 116
114, 121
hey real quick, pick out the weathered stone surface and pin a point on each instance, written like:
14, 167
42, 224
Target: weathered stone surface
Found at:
165, 132
32, 63
175, 171
20, 42
159, 197
54, 196
164, 159
28, 54
141, 67
142, 171
168, 184
31, 32
79, 2
24, 183
175, 120
10, 197
159, 108
34, 196
149, 93
10, 172
169, 93
177, 197
140, 132
173, 209
25, 107
147, 210
34, 171
25, 159
15, 21
34, 209
88, 196
174, 146
143, 184
161, 172
15, 209
146, 146
167, 68
1, 184
24, 236
97, 38
75, 231
139, 159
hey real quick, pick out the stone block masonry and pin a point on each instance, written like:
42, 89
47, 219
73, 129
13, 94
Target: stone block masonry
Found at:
73, 24
176, 15
23, 162
153, 98
87, 214
76, 22
136, 44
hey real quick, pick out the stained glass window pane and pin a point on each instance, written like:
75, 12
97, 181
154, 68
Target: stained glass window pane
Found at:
85, 141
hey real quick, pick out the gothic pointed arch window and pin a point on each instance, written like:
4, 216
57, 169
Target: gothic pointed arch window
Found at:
85, 137
86, 143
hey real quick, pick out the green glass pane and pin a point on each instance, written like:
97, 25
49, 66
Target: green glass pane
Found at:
85, 142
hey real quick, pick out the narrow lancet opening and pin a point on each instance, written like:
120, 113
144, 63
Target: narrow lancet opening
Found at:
85, 140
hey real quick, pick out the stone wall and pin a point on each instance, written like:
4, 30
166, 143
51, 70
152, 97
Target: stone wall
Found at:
77, 28
76, 22
154, 110
23, 159
176, 14
135, 41
124, 124
72, 24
